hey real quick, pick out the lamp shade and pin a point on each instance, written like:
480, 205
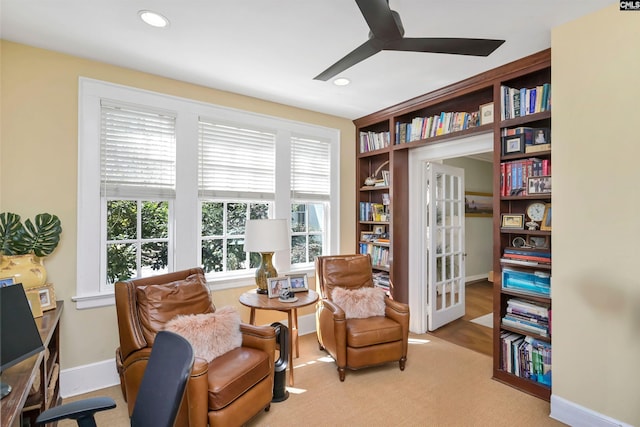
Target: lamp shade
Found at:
266, 235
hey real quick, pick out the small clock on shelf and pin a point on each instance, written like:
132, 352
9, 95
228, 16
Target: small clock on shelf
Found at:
535, 212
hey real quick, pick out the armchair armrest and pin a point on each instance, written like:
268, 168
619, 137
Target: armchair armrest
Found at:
400, 313
331, 325
83, 411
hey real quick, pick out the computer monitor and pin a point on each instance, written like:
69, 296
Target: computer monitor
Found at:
19, 336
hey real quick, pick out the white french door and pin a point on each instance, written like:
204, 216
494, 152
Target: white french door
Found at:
444, 243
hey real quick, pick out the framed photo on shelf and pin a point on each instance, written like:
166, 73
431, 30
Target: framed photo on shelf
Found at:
512, 221
541, 136
539, 185
513, 144
546, 219
47, 297
486, 113
276, 284
298, 282
478, 204
538, 242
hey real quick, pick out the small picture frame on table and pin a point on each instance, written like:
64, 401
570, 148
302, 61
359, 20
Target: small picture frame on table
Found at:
512, 221
47, 297
276, 284
513, 144
539, 185
486, 113
298, 282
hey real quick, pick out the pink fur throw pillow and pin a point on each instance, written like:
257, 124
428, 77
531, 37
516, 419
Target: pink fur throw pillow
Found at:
360, 303
210, 334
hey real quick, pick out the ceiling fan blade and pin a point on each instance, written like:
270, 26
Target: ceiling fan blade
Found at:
360, 53
455, 46
380, 19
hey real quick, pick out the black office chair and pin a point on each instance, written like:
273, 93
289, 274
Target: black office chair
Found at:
160, 393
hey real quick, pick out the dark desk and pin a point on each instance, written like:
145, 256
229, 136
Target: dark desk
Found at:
255, 301
22, 375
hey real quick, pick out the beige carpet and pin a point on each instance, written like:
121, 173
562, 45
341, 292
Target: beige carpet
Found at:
443, 385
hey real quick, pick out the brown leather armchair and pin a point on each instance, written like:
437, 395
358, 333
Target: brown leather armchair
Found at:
226, 392
357, 343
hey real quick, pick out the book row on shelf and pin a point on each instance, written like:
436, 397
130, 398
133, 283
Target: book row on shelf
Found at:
524, 256
379, 254
526, 357
371, 141
370, 211
527, 282
436, 125
525, 177
528, 316
518, 102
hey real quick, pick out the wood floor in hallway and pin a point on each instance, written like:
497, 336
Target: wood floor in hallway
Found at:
479, 301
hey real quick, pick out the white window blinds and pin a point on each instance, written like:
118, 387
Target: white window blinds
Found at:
236, 162
137, 152
310, 169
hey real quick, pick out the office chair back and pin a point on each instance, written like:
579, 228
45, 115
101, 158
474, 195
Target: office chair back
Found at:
164, 382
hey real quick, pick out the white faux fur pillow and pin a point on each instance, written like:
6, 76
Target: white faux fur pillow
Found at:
359, 303
210, 334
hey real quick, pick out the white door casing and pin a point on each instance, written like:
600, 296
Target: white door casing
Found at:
418, 157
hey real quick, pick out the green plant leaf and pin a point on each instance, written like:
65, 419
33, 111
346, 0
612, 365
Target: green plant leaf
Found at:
40, 238
10, 226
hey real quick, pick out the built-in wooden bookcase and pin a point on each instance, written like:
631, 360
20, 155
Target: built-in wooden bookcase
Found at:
467, 96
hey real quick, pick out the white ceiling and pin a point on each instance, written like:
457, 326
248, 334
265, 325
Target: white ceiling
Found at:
272, 49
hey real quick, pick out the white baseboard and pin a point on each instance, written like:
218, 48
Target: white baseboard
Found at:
99, 375
575, 415
476, 277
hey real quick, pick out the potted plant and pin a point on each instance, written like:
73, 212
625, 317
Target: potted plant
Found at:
22, 247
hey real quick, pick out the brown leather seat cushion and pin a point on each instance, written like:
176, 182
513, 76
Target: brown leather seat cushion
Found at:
372, 331
235, 372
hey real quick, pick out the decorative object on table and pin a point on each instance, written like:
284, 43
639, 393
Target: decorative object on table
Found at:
538, 242
275, 285
478, 204
373, 179
535, 212
23, 247
266, 236
298, 282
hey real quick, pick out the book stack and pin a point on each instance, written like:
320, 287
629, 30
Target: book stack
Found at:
518, 102
514, 174
526, 357
436, 125
522, 256
381, 280
528, 316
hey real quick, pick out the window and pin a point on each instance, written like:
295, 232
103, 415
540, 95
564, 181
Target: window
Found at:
167, 183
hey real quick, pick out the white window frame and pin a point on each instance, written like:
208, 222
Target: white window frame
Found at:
186, 221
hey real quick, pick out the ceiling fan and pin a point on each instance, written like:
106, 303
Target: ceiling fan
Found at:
387, 33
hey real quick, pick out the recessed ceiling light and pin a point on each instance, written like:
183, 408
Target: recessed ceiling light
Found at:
154, 19
341, 81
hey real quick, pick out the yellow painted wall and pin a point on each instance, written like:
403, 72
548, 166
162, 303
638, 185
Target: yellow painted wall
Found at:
596, 201
38, 170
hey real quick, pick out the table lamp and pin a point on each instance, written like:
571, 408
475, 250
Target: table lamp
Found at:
266, 236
